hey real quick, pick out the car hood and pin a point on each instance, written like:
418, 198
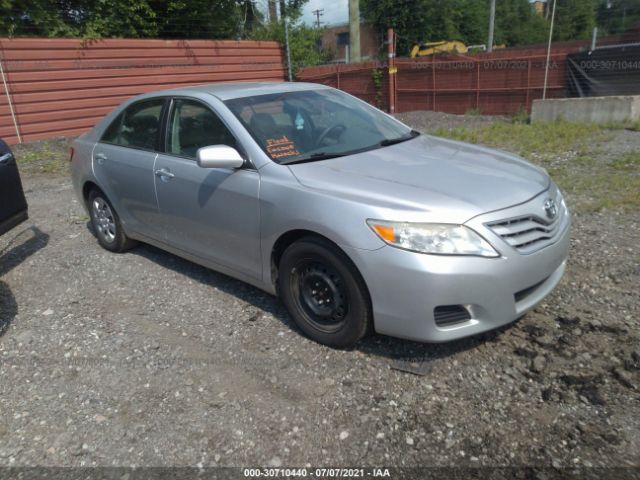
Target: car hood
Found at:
444, 179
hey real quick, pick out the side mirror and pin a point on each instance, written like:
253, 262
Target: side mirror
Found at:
219, 156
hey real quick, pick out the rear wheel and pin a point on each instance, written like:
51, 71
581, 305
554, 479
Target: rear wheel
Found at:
106, 224
324, 292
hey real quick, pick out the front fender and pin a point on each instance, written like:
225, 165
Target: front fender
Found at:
286, 205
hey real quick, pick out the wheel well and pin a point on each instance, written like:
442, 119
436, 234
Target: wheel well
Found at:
287, 239
86, 189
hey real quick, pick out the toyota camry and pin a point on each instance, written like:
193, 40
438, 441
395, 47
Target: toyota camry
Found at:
356, 221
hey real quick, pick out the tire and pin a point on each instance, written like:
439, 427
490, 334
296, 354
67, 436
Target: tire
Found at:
106, 224
324, 293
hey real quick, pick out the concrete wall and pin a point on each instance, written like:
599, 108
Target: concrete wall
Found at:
589, 109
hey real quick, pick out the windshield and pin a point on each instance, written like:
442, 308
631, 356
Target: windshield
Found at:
315, 124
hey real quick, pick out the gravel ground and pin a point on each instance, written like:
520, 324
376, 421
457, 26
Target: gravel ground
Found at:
147, 359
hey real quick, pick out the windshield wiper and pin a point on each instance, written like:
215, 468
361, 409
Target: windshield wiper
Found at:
393, 141
313, 157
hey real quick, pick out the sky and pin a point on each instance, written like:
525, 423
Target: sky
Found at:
335, 12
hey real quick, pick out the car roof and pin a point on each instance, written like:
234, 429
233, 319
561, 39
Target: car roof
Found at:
226, 91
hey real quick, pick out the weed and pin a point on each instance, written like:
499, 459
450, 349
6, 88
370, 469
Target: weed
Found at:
521, 116
473, 112
43, 157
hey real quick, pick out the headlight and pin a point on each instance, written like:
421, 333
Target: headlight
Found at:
435, 238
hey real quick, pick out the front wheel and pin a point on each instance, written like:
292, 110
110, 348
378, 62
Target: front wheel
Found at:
106, 224
324, 293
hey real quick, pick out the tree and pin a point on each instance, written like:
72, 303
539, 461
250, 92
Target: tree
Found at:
198, 18
129, 18
465, 20
617, 16
518, 24
575, 19
303, 43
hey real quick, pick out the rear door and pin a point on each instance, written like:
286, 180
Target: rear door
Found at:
123, 163
13, 206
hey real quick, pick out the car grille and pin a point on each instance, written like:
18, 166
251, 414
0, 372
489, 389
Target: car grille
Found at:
530, 233
446, 315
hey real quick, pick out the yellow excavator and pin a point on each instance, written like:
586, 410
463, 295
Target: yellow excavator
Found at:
425, 49
445, 46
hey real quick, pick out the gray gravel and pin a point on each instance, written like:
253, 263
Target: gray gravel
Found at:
146, 359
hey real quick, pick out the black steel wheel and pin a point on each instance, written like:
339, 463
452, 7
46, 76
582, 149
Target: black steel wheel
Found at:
324, 292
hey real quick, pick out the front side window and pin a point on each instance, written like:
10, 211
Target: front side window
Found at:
315, 124
138, 126
192, 126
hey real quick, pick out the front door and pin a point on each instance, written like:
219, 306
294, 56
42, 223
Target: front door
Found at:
123, 162
212, 213
13, 206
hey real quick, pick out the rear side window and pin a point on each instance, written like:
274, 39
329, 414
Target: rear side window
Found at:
192, 125
138, 126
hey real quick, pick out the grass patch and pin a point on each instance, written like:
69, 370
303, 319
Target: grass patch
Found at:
628, 162
576, 156
527, 139
633, 126
43, 157
596, 191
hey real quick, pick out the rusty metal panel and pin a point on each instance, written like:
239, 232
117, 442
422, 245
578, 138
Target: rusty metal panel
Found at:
501, 82
64, 86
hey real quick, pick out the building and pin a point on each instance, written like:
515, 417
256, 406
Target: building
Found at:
336, 39
540, 7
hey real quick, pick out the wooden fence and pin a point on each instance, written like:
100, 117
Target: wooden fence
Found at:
62, 87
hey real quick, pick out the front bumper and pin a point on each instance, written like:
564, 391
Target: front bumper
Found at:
406, 287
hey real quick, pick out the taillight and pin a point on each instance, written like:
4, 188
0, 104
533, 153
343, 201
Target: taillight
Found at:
71, 152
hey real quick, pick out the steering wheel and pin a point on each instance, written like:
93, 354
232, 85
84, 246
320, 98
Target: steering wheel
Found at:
325, 133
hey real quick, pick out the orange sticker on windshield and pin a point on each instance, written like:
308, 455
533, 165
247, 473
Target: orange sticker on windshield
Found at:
281, 147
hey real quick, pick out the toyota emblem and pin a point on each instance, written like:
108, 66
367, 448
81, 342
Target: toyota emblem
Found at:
550, 208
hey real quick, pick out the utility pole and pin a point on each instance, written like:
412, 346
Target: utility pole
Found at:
546, 69
273, 11
354, 31
285, 21
318, 13
492, 19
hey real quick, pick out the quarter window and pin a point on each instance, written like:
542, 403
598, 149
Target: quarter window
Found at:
138, 126
192, 126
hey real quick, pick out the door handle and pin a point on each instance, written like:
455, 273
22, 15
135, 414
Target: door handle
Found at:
101, 157
164, 174
4, 159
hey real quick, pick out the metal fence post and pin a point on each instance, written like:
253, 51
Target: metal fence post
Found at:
433, 82
392, 69
10, 102
527, 99
477, 85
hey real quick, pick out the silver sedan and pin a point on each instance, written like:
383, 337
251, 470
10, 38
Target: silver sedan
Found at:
356, 221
